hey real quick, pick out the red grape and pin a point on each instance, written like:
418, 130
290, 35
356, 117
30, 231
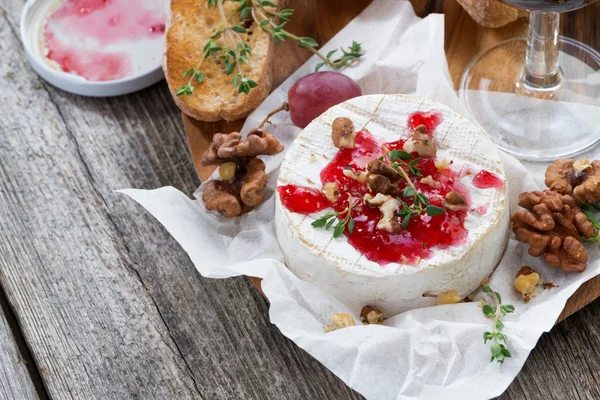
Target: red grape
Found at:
315, 93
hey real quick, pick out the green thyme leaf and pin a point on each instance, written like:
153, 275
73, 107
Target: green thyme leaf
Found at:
489, 310
406, 221
306, 41
239, 29
186, 89
485, 289
496, 349
319, 223
245, 13
409, 192
487, 336
505, 351
187, 72
507, 308
331, 221
200, 77
433, 211
404, 155
339, 229
351, 226
498, 297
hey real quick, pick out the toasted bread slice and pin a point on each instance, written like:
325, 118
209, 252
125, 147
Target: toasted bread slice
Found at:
191, 24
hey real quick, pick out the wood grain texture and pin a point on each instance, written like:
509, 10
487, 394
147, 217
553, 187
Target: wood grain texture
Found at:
15, 382
111, 307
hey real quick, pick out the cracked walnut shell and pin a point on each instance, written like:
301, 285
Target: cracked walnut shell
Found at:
551, 225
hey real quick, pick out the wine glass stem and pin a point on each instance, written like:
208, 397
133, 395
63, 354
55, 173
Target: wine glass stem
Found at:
542, 71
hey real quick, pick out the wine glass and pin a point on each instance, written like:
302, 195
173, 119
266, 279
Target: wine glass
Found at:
538, 96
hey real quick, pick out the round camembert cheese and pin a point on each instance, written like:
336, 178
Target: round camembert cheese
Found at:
340, 270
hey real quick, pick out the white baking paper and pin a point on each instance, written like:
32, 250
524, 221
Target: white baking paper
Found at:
431, 353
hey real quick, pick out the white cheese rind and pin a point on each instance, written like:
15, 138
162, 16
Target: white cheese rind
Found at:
342, 271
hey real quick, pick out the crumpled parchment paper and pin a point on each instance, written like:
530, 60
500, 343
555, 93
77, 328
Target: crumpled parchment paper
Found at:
430, 353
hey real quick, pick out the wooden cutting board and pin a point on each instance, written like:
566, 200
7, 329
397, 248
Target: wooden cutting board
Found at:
322, 19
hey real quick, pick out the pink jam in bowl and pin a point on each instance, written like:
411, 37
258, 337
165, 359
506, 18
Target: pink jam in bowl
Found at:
105, 40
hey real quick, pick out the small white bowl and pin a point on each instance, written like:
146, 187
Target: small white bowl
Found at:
33, 17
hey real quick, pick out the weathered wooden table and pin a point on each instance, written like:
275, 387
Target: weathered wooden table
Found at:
98, 301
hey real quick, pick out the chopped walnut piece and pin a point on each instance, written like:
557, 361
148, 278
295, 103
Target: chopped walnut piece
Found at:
448, 297
371, 316
342, 320
375, 201
455, 202
332, 191
342, 133
552, 224
526, 281
421, 143
361, 176
379, 167
428, 180
580, 178
388, 221
380, 184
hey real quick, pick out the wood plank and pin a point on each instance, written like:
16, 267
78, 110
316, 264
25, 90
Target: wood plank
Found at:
15, 381
92, 327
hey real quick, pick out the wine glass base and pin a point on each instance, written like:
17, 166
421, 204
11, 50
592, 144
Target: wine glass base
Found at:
532, 123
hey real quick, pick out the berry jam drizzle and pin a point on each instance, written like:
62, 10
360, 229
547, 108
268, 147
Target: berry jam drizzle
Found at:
431, 120
302, 200
487, 180
423, 232
103, 40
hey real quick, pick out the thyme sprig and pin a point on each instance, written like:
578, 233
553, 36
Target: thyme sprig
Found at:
401, 160
234, 51
588, 210
495, 311
329, 219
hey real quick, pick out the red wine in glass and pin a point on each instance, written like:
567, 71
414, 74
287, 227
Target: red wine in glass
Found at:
548, 5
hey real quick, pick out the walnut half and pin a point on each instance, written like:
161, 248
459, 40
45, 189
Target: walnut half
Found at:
342, 133
551, 225
244, 177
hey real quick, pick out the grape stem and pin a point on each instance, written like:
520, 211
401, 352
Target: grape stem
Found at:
283, 107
